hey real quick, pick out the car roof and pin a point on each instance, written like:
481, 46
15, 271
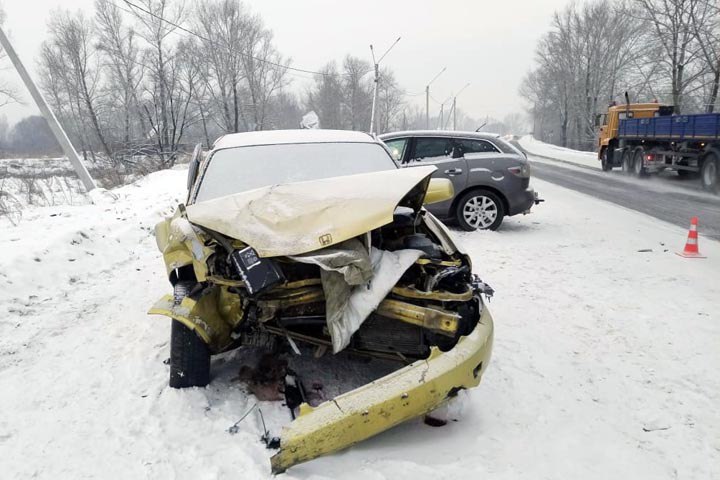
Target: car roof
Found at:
440, 133
274, 137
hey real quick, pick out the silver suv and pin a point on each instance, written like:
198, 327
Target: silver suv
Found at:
491, 177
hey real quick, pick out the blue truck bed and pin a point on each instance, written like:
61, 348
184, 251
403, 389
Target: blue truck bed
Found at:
704, 126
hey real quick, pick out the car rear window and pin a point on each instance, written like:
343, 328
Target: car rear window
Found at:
476, 146
506, 147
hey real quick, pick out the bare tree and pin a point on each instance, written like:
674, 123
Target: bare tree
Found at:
220, 25
390, 102
585, 58
8, 93
265, 70
356, 92
71, 69
165, 100
122, 57
706, 26
672, 23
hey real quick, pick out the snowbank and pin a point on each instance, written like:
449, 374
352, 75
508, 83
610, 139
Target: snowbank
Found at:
605, 359
553, 152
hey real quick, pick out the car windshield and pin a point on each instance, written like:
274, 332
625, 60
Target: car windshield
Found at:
240, 169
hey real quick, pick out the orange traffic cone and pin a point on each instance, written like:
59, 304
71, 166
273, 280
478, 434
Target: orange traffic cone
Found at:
691, 246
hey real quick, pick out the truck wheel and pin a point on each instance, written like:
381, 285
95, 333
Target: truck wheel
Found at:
480, 210
638, 165
709, 174
189, 355
604, 162
626, 162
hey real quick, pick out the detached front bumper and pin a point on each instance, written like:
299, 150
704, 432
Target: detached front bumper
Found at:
410, 392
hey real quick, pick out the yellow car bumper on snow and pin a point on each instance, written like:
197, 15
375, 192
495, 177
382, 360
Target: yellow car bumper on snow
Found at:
407, 393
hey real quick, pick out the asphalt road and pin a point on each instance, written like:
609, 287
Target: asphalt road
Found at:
667, 198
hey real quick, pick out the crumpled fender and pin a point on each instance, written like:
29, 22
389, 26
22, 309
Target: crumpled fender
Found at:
181, 245
201, 316
407, 393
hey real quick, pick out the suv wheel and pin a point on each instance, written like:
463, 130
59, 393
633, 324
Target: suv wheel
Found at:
480, 210
189, 355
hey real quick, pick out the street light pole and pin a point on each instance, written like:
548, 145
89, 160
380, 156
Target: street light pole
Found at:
376, 81
454, 107
427, 107
53, 122
427, 99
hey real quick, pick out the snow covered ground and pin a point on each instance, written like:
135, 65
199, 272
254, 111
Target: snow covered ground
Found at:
541, 149
604, 366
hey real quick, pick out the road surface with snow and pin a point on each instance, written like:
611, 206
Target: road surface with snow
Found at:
668, 198
604, 366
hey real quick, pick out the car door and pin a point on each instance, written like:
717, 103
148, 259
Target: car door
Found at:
440, 152
483, 159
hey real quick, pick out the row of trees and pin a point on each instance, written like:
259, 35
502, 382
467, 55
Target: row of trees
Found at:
162, 74
664, 50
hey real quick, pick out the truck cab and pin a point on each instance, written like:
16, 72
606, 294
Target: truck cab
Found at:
610, 122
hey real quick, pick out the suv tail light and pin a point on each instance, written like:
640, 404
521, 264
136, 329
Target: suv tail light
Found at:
522, 171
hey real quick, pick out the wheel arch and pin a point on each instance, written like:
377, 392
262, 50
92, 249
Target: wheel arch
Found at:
714, 150
501, 196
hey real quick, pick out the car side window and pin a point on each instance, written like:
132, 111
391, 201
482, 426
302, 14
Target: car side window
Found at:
397, 148
476, 146
432, 150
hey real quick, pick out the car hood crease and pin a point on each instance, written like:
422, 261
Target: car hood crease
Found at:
296, 218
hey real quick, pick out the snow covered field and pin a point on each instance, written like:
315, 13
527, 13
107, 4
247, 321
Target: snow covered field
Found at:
604, 366
541, 149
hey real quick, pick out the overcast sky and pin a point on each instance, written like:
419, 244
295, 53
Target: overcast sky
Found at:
489, 43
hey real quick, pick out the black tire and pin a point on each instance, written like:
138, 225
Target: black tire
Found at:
626, 162
604, 162
484, 206
189, 355
710, 173
638, 166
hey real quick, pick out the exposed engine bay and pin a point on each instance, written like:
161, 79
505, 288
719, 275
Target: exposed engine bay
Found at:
435, 301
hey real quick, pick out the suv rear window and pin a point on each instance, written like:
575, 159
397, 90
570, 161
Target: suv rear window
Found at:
476, 146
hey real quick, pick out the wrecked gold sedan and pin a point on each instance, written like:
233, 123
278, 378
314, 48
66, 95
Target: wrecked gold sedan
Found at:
312, 248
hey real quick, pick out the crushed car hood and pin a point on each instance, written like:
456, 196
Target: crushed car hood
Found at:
296, 218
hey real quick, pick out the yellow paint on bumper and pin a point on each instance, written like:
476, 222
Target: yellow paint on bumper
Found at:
373, 408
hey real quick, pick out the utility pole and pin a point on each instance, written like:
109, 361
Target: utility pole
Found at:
454, 107
427, 99
441, 124
53, 123
377, 80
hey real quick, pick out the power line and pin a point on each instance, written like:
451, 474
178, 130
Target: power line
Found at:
205, 39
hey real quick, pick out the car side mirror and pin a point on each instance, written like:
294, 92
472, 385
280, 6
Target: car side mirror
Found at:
193, 165
439, 190
597, 120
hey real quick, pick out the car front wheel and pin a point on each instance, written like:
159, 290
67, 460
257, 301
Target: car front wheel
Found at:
189, 355
480, 210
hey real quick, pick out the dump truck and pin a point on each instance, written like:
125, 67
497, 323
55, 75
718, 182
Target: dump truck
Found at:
648, 138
